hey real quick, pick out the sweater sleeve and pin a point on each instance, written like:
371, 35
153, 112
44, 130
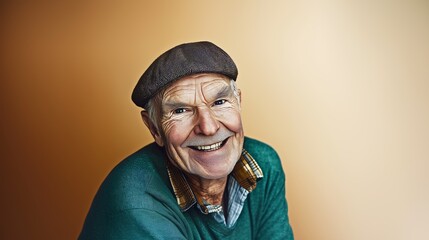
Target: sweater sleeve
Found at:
135, 202
144, 224
136, 224
274, 222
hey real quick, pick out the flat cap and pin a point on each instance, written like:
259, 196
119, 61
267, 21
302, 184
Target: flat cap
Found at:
180, 61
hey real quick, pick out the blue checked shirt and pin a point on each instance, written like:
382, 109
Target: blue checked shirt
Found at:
241, 182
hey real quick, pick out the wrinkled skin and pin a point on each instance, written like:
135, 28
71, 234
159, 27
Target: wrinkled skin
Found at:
200, 126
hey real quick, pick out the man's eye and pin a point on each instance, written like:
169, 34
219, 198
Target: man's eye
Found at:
219, 102
179, 110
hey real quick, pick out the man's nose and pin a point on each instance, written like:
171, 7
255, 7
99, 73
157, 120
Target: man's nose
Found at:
207, 124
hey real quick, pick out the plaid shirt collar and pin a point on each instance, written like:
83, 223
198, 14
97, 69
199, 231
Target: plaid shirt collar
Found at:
246, 172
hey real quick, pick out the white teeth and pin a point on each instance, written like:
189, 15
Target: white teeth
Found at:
212, 147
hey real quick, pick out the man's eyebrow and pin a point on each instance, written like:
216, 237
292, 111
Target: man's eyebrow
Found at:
225, 91
173, 104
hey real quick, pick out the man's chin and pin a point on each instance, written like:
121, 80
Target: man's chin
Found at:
215, 173
213, 177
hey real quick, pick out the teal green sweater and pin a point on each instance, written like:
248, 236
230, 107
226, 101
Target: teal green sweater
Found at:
136, 201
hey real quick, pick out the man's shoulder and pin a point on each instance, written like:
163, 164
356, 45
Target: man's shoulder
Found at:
263, 153
148, 157
133, 177
251, 143
267, 159
146, 161
137, 187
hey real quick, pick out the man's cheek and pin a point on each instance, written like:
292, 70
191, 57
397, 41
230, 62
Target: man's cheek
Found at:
228, 114
175, 134
233, 122
167, 127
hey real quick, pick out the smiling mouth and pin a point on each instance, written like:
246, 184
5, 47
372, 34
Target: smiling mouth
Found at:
209, 148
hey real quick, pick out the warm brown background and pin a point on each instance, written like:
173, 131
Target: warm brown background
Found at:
339, 88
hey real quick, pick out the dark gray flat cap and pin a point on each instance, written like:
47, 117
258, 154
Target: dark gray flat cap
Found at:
180, 61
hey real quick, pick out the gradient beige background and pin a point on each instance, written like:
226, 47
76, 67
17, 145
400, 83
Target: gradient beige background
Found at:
339, 88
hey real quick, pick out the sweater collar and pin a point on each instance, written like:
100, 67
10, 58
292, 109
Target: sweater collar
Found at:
246, 172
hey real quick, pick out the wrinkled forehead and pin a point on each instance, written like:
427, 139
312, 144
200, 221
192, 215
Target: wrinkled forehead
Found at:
206, 84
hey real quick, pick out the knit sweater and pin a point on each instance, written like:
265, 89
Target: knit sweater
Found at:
136, 201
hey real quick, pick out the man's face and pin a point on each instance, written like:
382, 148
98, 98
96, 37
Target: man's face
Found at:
201, 125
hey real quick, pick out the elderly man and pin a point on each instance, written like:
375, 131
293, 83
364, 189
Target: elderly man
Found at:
202, 178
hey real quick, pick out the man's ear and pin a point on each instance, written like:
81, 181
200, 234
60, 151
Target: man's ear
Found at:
239, 95
152, 128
